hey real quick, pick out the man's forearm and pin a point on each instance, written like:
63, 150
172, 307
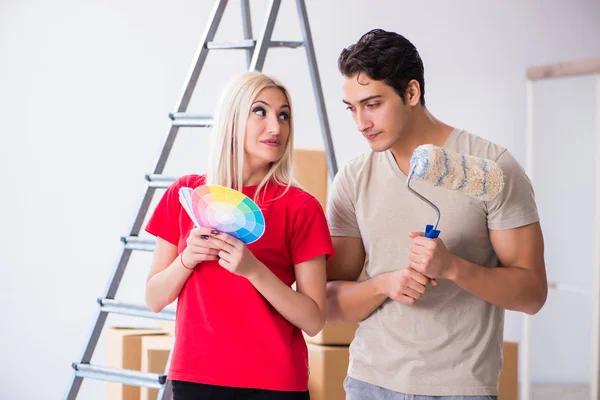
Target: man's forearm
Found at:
349, 301
511, 288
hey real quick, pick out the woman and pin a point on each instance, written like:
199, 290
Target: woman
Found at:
239, 323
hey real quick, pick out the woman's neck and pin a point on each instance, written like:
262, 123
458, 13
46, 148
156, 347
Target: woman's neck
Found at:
253, 177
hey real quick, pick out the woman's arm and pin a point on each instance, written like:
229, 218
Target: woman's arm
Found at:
304, 308
168, 273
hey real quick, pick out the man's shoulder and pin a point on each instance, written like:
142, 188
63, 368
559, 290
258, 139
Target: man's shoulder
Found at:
465, 142
361, 165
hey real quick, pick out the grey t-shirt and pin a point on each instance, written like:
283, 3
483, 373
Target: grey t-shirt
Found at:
448, 342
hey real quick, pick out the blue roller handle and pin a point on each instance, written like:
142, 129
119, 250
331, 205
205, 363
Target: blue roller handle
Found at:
431, 233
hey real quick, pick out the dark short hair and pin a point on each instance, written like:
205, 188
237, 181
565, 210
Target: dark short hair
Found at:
384, 56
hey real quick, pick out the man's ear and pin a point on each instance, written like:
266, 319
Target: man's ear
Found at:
413, 93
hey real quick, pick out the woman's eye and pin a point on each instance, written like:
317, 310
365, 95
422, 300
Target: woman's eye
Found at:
284, 116
259, 111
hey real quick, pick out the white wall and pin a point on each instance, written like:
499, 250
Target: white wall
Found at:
85, 88
566, 129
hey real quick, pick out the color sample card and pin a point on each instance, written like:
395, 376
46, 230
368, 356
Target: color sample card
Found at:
224, 209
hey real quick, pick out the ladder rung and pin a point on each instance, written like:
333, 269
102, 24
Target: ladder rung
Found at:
160, 181
250, 44
126, 376
285, 43
188, 119
138, 243
136, 310
239, 44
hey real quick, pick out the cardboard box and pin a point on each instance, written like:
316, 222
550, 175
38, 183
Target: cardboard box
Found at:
329, 365
311, 172
509, 387
310, 169
341, 334
328, 368
155, 354
125, 352
335, 335
168, 327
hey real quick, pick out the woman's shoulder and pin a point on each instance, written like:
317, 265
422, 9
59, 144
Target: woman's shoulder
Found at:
298, 198
192, 181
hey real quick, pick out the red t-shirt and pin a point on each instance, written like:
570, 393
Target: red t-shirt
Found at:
227, 333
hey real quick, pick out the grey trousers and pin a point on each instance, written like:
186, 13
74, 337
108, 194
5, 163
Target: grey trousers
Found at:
359, 390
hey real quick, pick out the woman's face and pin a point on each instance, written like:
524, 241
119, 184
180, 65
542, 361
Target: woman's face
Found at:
268, 128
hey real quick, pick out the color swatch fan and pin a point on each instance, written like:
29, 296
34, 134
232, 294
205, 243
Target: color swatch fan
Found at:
224, 209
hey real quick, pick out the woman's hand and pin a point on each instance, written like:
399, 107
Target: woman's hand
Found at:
199, 248
234, 256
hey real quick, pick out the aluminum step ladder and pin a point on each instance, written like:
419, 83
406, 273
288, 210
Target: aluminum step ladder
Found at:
256, 51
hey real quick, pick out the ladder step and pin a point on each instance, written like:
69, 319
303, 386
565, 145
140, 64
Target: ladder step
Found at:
160, 181
126, 376
137, 243
250, 44
136, 310
188, 119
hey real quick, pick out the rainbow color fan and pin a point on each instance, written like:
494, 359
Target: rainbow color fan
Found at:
224, 209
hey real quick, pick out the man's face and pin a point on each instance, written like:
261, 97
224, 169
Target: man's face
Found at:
377, 109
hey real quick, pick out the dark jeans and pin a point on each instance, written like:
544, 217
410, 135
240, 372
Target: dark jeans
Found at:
197, 391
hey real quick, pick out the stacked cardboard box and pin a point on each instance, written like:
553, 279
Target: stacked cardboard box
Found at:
509, 378
327, 351
147, 350
328, 358
125, 352
155, 353
310, 170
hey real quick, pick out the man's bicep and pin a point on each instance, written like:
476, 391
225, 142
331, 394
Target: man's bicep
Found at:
348, 261
521, 247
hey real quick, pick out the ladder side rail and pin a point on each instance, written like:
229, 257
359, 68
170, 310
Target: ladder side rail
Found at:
247, 27
262, 45
316, 83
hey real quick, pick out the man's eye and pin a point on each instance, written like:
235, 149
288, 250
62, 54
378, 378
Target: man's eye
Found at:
373, 105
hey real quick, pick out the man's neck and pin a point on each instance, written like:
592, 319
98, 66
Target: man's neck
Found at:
424, 129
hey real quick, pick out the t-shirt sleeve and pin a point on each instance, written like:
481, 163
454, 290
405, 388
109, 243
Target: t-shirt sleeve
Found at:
310, 234
515, 205
164, 222
341, 207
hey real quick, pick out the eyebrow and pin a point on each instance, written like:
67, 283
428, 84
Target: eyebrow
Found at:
363, 100
268, 105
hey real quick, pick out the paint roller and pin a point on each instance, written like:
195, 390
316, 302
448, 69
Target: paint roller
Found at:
477, 177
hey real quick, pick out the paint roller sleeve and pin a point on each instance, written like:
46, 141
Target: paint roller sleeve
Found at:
473, 176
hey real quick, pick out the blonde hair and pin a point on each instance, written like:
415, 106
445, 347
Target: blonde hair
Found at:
226, 157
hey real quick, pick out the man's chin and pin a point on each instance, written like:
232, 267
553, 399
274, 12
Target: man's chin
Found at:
379, 147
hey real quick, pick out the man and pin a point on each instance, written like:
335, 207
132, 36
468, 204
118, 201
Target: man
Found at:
431, 311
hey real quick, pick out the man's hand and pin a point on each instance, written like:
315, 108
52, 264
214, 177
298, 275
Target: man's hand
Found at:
430, 257
405, 285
